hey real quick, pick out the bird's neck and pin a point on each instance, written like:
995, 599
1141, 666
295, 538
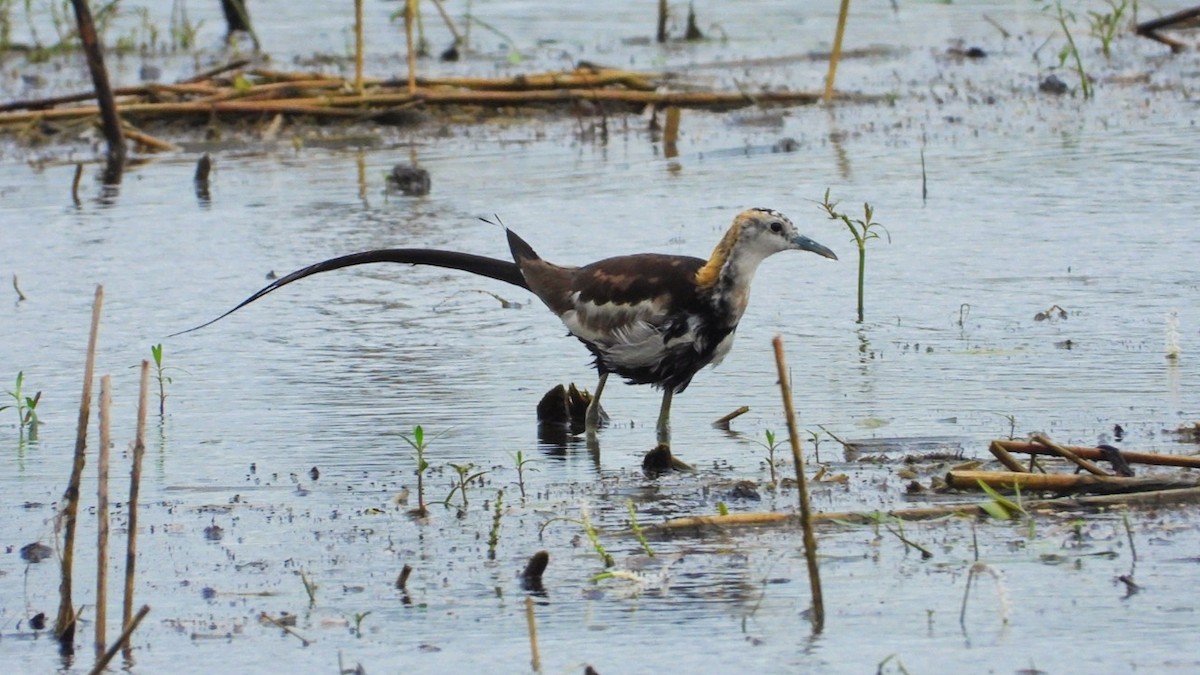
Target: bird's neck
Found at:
725, 278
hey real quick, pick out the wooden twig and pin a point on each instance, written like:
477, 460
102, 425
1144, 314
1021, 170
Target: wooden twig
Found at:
723, 422
1060, 482
102, 514
64, 626
1154, 498
147, 140
104, 94
1181, 18
122, 641
834, 57
1186, 461
1067, 454
806, 516
1006, 458
535, 659
135, 482
284, 627
17, 287
458, 40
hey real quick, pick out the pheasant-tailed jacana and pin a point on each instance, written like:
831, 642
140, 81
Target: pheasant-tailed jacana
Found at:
650, 318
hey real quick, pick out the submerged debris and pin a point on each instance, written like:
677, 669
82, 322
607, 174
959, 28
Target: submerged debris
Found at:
410, 180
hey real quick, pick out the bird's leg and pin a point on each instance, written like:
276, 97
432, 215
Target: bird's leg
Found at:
664, 418
591, 422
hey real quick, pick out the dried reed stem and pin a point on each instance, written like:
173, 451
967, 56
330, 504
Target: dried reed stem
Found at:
836, 55
1006, 458
102, 513
64, 627
410, 12
536, 659
122, 641
1066, 453
806, 516
358, 46
135, 486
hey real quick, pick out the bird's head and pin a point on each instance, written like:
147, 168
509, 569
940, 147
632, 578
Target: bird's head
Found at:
763, 232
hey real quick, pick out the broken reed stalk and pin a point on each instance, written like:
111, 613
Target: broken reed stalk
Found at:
458, 39
1071, 456
671, 132
723, 422
410, 11
122, 641
1064, 482
1186, 461
661, 33
135, 483
1006, 458
102, 513
535, 659
806, 516
64, 626
358, 46
75, 183
104, 94
836, 55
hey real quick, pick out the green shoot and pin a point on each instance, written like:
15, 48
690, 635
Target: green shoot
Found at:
418, 443
521, 462
584, 521
358, 619
1001, 507
310, 587
722, 509
494, 535
26, 407
862, 231
157, 352
771, 446
637, 529
1105, 26
465, 477
1070, 50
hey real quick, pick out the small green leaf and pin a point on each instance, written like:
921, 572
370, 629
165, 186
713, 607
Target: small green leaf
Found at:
722, 509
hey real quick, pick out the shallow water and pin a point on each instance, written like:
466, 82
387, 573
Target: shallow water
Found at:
1033, 201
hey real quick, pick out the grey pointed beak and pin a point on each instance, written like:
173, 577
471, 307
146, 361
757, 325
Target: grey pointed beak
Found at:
805, 244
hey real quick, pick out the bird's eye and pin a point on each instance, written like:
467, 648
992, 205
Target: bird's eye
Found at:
776, 227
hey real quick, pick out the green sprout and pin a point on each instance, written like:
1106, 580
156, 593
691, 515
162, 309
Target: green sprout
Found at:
521, 462
585, 521
464, 475
417, 441
1070, 50
26, 407
310, 587
862, 230
637, 529
494, 535
358, 619
771, 446
1106, 25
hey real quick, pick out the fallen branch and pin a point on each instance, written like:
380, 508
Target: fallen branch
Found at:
1066, 453
1185, 461
1058, 482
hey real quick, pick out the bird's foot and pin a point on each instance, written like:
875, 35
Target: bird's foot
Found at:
660, 460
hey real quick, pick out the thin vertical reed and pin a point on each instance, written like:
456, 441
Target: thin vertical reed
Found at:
102, 514
410, 14
806, 520
64, 627
358, 46
836, 55
135, 486
535, 658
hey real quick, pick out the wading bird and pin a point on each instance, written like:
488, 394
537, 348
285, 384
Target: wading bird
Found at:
649, 318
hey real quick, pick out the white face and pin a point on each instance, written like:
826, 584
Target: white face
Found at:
765, 232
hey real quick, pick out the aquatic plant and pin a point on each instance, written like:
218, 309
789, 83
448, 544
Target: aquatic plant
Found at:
494, 534
417, 441
771, 445
981, 569
310, 588
1172, 344
584, 521
26, 407
1001, 507
637, 529
1106, 25
358, 619
156, 351
521, 461
464, 476
863, 231
1070, 50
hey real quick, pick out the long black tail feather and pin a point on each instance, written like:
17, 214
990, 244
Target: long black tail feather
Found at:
501, 270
